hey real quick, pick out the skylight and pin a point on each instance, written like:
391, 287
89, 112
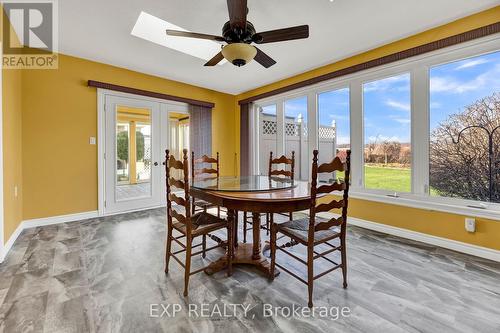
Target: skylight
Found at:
152, 28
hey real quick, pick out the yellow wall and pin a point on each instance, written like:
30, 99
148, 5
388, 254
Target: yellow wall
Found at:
429, 222
59, 116
12, 150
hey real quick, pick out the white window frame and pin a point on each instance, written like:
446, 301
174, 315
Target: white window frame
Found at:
418, 67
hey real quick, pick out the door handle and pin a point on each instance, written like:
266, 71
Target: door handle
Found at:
156, 164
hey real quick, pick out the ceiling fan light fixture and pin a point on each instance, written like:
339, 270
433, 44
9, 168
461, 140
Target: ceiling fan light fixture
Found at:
239, 54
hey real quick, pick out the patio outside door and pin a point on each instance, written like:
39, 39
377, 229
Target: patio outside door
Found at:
133, 160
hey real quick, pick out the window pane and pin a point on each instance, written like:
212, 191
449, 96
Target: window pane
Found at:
268, 136
296, 135
334, 128
462, 94
387, 151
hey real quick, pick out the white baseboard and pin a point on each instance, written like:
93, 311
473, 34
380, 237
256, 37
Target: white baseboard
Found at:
27, 224
58, 219
471, 249
10, 242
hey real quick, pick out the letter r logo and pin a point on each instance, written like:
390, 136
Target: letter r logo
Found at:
31, 27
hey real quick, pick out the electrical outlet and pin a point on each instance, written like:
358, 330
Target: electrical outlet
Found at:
92, 140
15, 191
470, 224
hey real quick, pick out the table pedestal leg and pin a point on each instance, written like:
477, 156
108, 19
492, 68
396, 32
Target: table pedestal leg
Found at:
245, 254
256, 236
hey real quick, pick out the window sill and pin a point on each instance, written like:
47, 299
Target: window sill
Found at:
429, 204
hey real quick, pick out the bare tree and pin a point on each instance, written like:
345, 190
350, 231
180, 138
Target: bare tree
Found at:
461, 170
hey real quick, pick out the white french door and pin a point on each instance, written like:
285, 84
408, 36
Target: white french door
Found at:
132, 159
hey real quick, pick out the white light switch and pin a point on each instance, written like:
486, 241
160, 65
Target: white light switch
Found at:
92, 140
15, 191
470, 224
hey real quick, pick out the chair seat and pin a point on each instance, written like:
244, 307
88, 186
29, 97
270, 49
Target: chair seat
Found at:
202, 223
203, 204
299, 230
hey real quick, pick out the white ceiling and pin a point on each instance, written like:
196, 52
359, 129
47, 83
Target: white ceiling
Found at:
99, 30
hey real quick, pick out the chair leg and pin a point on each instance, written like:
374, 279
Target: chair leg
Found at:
267, 223
187, 270
168, 248
291, 216
235, 231
273, 251
344, 259
230, 242
218, 211
204, 246
244, 227
310, 276
193, 207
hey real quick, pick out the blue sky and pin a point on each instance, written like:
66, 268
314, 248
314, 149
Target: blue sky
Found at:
456, 85
387, 102
386, 105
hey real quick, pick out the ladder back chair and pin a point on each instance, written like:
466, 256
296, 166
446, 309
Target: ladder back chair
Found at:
313, 231
274, 171
190, 226
200, 171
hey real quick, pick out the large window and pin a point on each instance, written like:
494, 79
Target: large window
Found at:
333, 128
296, 135
465, 98
387, 145
268, 136
419, 130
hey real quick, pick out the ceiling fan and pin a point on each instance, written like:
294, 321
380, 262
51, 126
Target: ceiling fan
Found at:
239, 34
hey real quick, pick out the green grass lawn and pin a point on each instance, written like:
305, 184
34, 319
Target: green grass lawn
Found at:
393, 179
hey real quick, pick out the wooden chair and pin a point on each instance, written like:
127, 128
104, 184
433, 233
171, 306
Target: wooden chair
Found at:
203, 172
314, 231
273, 172
188, 225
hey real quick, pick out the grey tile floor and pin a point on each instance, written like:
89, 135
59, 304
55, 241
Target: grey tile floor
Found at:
103, 274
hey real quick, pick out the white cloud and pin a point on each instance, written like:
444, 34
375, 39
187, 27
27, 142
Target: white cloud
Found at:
398, 105
455, 86
402, 121
471, 63
381, 138
435, 105
393, 83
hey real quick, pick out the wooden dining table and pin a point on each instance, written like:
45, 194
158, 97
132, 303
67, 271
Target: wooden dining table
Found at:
255, 194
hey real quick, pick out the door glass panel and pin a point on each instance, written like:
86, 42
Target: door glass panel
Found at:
133, 153
268, 136
179, 136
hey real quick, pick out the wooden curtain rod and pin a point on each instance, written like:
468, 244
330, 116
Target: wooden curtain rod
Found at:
148, 93
418, 50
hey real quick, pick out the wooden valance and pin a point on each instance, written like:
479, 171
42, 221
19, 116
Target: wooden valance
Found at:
148, 93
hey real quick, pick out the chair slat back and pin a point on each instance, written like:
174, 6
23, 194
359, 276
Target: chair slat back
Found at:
199, 167
343, 187
279, 161
181, 183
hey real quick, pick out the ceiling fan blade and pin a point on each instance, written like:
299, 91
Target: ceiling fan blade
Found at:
280, 35
237, 13
178, 33
215, 60
264, 59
